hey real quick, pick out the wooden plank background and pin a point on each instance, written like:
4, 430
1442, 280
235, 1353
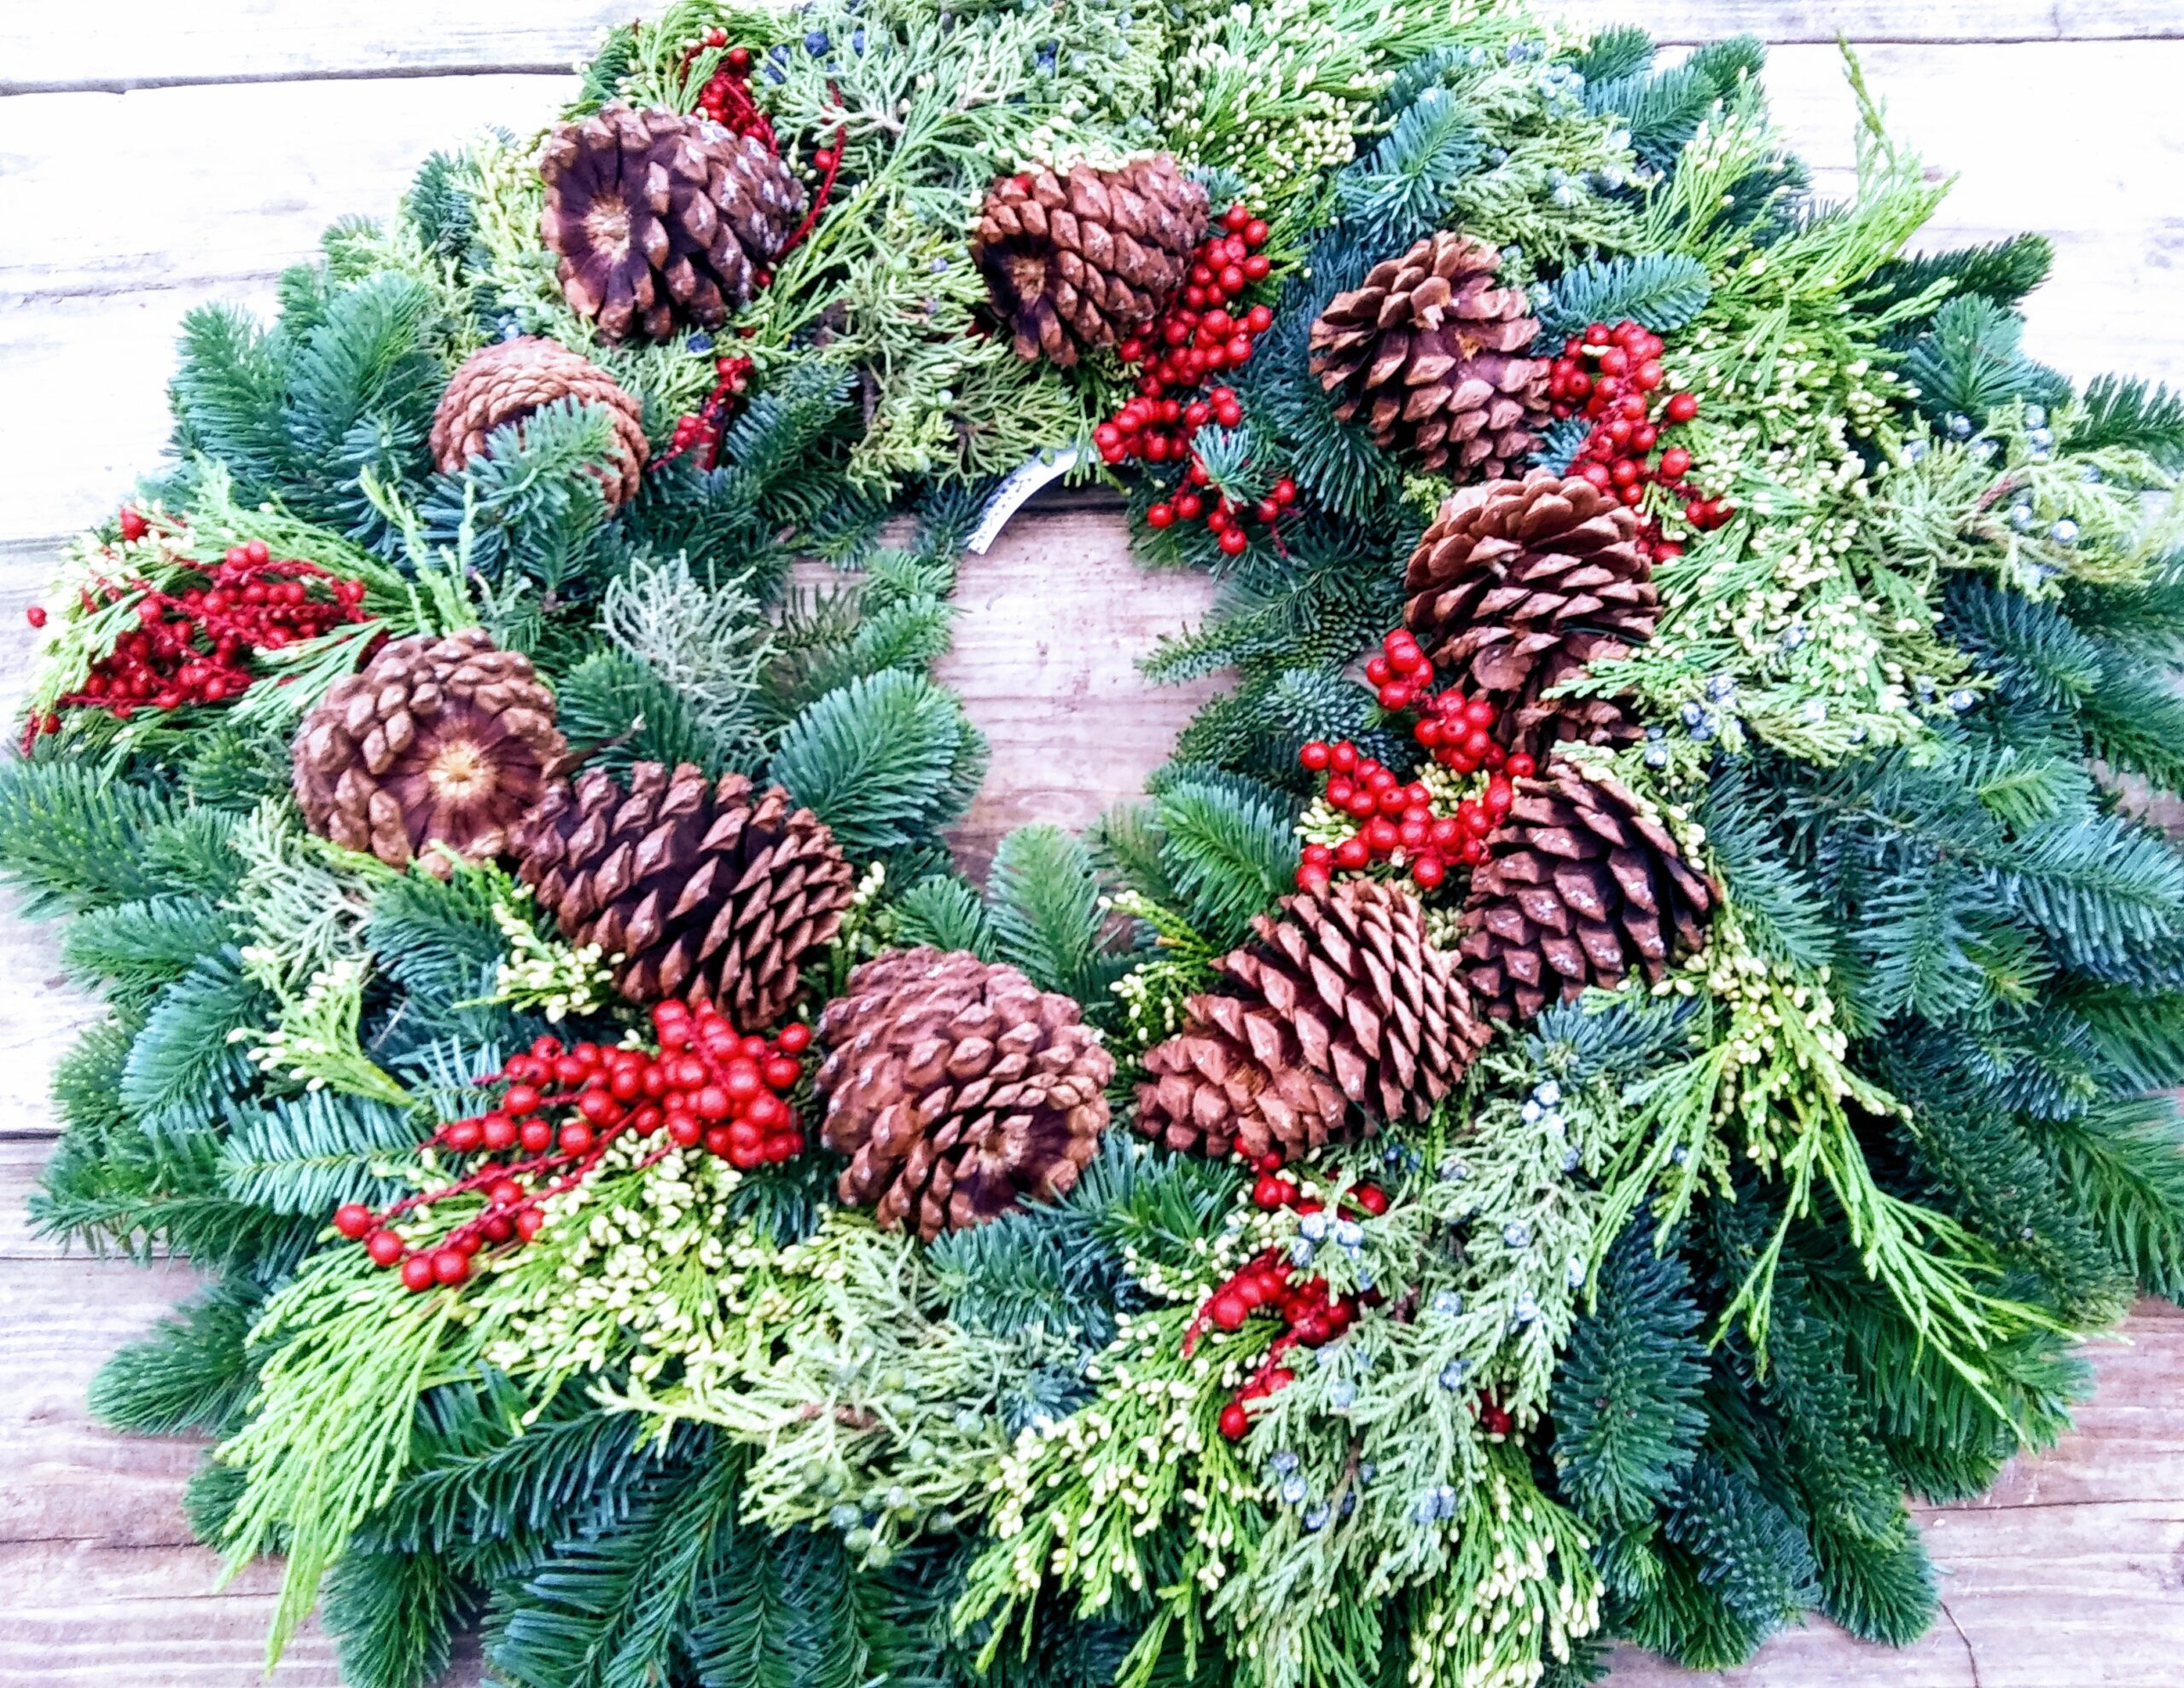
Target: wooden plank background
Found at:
155, 155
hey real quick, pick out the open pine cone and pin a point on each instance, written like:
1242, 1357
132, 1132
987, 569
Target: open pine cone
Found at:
958, 1089
509, 380
1073, 260
703, 891
1522, 585
1431, 352
661, 219
442, 741
1343, 1003
1580, 884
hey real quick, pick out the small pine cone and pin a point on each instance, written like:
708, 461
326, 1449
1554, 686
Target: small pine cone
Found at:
1522, 585
661, 219
1072, 261
508, 380
439, 741
1431, 352
1580, 884
703, 891
1344, 1003
958, 1089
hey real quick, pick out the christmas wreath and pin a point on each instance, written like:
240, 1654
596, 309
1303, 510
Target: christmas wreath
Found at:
1627, 1039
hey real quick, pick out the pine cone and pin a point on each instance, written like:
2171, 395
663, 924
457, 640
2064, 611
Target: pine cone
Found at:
703, 892
508, 380
1345, 1001
437, 740
1431, 351
662, 219
1073, 260
1522, 585
1579, 884
957, 1088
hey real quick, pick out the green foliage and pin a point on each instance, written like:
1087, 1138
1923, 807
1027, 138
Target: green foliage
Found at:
882, 760
310, 1155
182, 1060
1627, 1420
133, 947
2120, 412
2003, 272
1228, 847
1749, 1556
2123, 1164
73, 839
1662, 109
1405, 188
1662, 290
1044, 908
616, 710
531, 506
394, 1617
614, 1611
191, 1374
945, 913
1970, 364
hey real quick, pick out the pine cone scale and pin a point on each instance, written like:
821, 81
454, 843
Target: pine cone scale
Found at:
957, 1090
1343, 1002
639, 874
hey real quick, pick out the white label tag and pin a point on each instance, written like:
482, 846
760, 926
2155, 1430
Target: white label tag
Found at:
1009, 497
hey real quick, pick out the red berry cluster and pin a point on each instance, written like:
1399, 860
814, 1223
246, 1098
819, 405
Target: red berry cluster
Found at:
194, 646
1197, 333
726, 97
1225, 519
1311, 1315
705, 1085
134, 526
1394, 817
1609, 376
699, 430
1204, 330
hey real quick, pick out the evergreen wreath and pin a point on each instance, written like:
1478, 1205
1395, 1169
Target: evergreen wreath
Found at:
1548, 1133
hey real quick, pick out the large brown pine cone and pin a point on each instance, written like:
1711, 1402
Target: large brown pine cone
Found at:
1342, 1013
1073, 260
1580, 884
661, 219
1431, 352
958, 1089
704, 892
436, 741
1523, 585
508, 380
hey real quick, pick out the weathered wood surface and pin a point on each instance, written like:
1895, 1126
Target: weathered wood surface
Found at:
258, 121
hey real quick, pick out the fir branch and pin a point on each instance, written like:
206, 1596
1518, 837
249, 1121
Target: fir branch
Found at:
191, 1374
1661, 291
883, 760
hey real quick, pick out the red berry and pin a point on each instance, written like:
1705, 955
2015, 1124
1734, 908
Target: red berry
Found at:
522, 1099
1371, 1197
1160, 515
1235, 1421
1521, 766
576, 1138
35, 615
1227, 1311
795, 1040
449, 1265
1314, 755
1427, 871
384, 1247
529, 1223
1233, 542
1236, 218
498, 1131
353, 1219
417, 1272
1682, 407
1351, 854
535, 1135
